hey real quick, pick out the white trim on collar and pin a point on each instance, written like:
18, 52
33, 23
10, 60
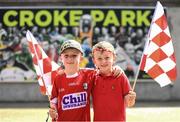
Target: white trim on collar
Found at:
72, 76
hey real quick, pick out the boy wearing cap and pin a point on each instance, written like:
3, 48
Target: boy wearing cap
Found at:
70, 97
110, 94
71, 90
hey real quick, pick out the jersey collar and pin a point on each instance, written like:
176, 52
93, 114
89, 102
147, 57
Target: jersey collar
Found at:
72, 76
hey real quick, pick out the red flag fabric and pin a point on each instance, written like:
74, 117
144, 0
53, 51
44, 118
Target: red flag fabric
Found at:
158, 60
46, 69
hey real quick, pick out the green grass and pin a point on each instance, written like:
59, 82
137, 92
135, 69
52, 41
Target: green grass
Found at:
23, 115
136, 114
154, 114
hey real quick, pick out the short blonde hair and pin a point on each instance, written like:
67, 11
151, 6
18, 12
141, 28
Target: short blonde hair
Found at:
103, 46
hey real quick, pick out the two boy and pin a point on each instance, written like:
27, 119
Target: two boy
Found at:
71, 90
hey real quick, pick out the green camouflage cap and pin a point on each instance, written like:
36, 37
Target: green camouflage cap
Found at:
71, 44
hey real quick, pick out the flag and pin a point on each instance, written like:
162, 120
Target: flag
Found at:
158, 59
46, 69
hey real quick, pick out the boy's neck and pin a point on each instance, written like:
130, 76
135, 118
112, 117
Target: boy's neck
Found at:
71, 71
108, 73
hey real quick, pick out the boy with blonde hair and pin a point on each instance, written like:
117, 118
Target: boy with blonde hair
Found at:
111, 94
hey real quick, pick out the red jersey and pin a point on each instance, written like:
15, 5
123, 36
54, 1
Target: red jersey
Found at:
73, 96
108, 98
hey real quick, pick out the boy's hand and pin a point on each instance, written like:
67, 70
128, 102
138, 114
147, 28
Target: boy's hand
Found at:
60, 71
130, 99
117, 71
53, 112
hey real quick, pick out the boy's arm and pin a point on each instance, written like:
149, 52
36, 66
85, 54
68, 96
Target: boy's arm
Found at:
117, 71
130, 99
53, 101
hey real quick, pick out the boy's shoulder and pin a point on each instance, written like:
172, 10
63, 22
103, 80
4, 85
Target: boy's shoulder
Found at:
88, 71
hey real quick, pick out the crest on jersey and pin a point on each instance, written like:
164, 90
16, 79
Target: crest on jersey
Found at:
85, 86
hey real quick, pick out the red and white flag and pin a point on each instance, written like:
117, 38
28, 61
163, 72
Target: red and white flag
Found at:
159, 59
46, 69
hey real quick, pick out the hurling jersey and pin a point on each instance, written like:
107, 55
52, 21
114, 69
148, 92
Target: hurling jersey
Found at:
108, 97
73, 96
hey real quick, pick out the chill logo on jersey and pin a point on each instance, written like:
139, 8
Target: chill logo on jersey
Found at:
75, 100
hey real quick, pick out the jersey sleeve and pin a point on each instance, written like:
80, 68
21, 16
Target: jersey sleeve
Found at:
54, 92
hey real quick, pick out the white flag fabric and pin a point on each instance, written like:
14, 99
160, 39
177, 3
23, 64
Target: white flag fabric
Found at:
159, 60
46, 69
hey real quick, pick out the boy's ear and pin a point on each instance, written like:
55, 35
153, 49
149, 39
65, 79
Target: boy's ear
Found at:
93, 60
60, 57
114, 57
94, 63
81, 58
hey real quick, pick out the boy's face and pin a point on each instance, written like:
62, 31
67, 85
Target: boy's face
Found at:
104, 61
71, 58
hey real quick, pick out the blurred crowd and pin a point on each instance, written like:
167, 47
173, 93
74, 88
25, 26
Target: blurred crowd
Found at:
128, 42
